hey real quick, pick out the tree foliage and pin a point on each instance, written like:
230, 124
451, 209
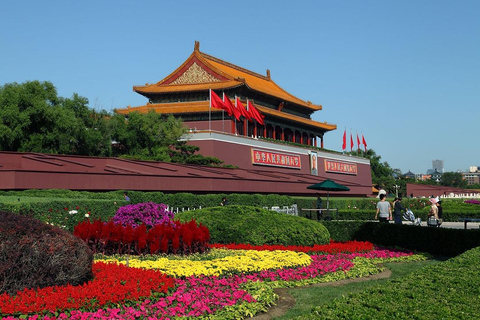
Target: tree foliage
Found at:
383, 176
33, 118
453, 179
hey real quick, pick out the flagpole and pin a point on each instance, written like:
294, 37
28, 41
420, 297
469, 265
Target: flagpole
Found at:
223, 113
246, 133
210, 112
236, 117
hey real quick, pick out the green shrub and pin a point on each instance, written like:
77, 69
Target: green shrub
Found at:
65, 213
343, 230
34, 254
440, 241
437, 241
256, 226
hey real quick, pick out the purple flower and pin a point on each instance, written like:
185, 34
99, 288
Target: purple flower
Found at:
149, 213
472, 201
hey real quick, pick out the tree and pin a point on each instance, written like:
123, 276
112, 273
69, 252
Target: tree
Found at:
382, 174
184, 153
146, 136
453, 179
33, 118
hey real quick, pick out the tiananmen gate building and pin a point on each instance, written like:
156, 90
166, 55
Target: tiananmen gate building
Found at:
239, 116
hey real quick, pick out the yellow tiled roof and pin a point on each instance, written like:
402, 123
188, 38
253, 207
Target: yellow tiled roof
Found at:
231, 76
284, 115
174, 107
204, 106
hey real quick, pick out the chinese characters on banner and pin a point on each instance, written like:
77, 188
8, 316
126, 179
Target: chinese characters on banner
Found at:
340, 167
268, 158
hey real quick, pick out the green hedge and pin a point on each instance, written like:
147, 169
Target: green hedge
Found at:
437, 241
60, 212
256, 226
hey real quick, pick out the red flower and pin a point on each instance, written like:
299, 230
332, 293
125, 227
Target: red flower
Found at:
112, 284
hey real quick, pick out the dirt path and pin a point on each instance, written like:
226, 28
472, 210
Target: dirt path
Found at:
286, 300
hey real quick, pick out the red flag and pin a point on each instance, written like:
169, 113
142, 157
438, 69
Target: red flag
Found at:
255, 113
344, 145
364, 142
230, 105
351, 142
242, 109
358, 142
217, 103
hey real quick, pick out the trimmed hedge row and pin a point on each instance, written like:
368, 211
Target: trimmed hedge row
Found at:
256, 226
65, 213
49, 205
437, 241
55, 206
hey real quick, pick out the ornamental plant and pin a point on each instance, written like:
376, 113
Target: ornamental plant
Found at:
35, 254
112, 284
114, 238
472, 201
148, 213
332, 248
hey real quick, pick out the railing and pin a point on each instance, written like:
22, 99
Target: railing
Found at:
327, 216
292, 210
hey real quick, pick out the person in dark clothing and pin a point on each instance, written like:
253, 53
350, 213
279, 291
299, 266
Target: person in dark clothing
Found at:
224, 202
397, 210
319, 206
440, 211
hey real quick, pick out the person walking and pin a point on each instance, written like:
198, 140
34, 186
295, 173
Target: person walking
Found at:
384, 210
397, 210
224, 202
319, 207
440, 211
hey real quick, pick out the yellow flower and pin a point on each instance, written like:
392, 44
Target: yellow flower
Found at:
240, 261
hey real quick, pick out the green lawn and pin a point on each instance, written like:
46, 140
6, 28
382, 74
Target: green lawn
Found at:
308, 297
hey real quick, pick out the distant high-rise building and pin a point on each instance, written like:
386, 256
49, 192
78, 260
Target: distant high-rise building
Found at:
437, 165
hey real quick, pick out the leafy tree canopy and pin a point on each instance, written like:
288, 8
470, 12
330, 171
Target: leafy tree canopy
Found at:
33, 118
453, 179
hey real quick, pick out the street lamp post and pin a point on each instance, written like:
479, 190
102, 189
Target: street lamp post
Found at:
396, 190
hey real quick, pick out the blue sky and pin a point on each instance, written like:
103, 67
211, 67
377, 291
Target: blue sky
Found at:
405, 73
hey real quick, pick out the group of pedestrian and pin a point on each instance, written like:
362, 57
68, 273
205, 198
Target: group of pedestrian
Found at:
384, 209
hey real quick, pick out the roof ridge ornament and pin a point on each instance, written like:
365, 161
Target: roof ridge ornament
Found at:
197, 46
268, 74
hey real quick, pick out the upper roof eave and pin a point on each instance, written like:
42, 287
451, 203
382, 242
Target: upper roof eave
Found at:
234, 76
159, 89
255, 81
279, 114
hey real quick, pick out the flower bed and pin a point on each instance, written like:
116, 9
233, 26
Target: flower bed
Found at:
227, 295
332, 248
112, 284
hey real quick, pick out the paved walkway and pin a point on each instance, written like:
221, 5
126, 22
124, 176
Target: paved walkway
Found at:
452, 225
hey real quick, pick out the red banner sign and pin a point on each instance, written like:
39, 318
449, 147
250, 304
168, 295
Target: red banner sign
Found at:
268, 158
340, 167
